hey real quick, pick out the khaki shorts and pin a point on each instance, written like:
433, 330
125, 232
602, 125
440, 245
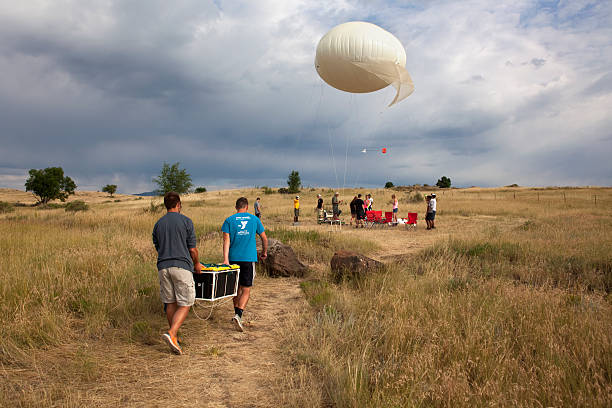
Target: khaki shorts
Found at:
176, 285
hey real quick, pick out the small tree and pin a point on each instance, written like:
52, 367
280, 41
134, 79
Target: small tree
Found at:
172, 178
200, 190
294, 182
110, 189
444, 182
389, 184
50, 184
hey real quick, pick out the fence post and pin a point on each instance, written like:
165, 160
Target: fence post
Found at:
595, 199
514, 194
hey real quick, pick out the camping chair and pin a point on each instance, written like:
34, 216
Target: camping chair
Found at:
370, 219
412, 220
389, 217
378, 218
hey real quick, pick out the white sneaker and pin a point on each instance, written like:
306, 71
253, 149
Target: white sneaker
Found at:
237, 320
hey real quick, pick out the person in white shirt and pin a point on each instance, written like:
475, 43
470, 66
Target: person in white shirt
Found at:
431, 211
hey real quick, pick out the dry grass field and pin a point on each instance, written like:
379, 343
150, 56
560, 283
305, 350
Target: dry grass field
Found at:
506, 303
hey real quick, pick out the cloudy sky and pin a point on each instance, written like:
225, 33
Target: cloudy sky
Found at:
506, 92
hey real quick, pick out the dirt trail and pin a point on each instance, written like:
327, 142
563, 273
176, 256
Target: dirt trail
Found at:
220, 368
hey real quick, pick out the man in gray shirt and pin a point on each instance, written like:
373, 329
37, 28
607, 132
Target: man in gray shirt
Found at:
177, 259
257, 207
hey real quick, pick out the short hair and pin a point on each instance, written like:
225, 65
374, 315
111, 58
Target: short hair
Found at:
358, 195
241, 203
258, 198
171, 199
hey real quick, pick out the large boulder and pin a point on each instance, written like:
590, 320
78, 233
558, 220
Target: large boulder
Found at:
348, 264
281, 260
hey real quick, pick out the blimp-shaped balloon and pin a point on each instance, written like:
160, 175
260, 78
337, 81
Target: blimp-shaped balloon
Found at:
361, 57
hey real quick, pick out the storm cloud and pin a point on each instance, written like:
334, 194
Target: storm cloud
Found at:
506, 92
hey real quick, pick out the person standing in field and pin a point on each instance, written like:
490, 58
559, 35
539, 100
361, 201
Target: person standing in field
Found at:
432, 211
336, 206
360, 208
395, 208
320, 208
177, 259
257, 207
296, 209
239, 247
353, 209
370, 202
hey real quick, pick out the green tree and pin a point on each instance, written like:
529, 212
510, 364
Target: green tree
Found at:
172, 178
50, 184
294, 182
389, 184
444, 182
200, 190
110, 189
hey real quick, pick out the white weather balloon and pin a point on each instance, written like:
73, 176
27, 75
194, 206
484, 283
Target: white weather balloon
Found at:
361, 57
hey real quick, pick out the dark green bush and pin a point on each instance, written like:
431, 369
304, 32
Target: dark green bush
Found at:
77, 205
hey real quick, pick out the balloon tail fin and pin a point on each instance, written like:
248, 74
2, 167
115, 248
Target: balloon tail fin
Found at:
393, 74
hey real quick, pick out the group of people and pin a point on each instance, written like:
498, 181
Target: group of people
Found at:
336, 211
177, 260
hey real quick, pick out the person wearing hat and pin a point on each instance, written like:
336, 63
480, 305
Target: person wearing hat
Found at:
431, 211
336, 206
296, 209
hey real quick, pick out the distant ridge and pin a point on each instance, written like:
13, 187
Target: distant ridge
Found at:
147, 194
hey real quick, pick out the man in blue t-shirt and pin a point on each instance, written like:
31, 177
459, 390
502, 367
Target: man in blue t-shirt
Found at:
239, 247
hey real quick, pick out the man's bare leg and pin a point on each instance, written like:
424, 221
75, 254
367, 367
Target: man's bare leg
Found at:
242, 297
176, 315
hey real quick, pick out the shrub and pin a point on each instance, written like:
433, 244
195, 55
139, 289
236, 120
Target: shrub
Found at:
110, 189
77, 205
389, 184
172, 178
283, 190
6, 207
414, 197
153, 208
267, 190
444, 182
199, 190
294, 182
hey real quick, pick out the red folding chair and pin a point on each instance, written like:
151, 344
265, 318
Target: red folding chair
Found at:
370, 219
388, 217
412, 220
378, 218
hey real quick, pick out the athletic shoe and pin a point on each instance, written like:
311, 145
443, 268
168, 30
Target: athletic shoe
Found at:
237, 320
172, 343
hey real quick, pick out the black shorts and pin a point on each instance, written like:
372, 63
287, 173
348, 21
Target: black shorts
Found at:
431, 216
247, 273
361, 215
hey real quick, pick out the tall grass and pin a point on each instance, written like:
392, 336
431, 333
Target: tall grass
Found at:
511, 306
515, 313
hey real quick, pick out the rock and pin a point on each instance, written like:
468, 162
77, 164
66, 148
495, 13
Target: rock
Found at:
348, 264
281, 260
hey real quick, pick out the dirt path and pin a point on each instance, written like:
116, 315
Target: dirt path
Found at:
220, 368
